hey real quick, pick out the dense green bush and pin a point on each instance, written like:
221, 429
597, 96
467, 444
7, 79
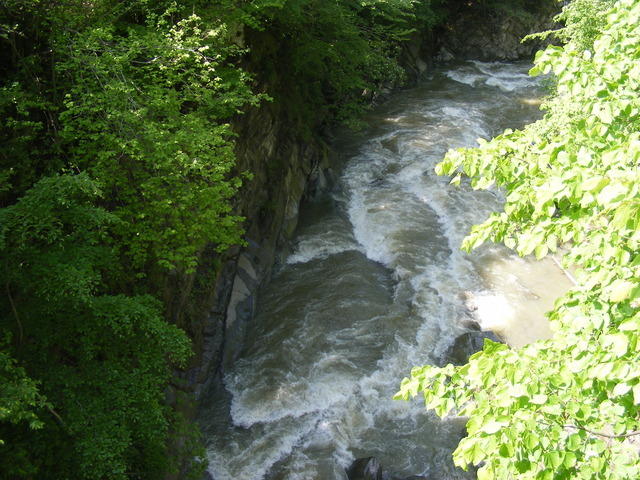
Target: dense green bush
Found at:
116, 166
333, 51
100, 359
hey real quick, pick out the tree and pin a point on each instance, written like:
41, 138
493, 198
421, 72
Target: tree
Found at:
100, 360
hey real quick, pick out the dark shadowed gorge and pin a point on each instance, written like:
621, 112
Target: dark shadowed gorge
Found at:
223, 240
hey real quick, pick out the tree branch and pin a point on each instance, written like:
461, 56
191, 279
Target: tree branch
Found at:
15, 312
604, 435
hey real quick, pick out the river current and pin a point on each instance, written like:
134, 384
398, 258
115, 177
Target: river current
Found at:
375, 283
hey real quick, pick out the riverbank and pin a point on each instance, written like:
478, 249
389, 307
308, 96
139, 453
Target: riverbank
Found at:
154, 158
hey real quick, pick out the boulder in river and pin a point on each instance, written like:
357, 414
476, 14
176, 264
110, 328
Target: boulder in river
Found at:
207, 476
470, 323
367, 468
414, 477
466, 345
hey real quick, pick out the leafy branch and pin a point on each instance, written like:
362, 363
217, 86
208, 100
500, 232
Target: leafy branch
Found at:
572, 188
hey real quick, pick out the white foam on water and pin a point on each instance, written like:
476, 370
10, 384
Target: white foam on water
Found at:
372, 212
309, 422
321, 246
467, 77
376, 245
381, 214
240, 462
455, 112
506, 84
506, 77
291, 396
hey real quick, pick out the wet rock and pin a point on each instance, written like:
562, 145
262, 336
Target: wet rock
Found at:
496, 37
417, 54
444, 55
368, 468
207, 476
466, 345
391, 144
470, 323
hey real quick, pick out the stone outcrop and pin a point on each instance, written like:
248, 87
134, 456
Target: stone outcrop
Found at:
284, 170
466, 345
417, 55
474, 36
217, 303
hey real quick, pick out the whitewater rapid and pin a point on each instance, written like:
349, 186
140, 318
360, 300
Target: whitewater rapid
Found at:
374, 284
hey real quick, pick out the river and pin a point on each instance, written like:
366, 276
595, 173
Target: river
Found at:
375, 283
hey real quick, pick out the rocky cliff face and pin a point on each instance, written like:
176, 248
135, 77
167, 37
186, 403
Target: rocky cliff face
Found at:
221, 298
472, 35
285, 168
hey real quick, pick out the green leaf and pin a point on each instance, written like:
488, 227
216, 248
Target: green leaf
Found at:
621, 389
620, 290
636, 394
539, 399
553, 459
612, 194
493, 426
574, 442
617, 343
518, 390
594, 184
570, 460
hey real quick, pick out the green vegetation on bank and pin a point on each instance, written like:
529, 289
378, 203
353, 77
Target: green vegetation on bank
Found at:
566, 408
117, 171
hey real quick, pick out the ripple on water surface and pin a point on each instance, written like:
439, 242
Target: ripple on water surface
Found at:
371, 287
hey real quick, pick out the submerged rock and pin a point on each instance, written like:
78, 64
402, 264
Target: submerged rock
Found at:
470, 323
466, 345
368, 468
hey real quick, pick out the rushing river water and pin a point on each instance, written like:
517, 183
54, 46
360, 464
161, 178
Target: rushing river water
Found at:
374, 284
